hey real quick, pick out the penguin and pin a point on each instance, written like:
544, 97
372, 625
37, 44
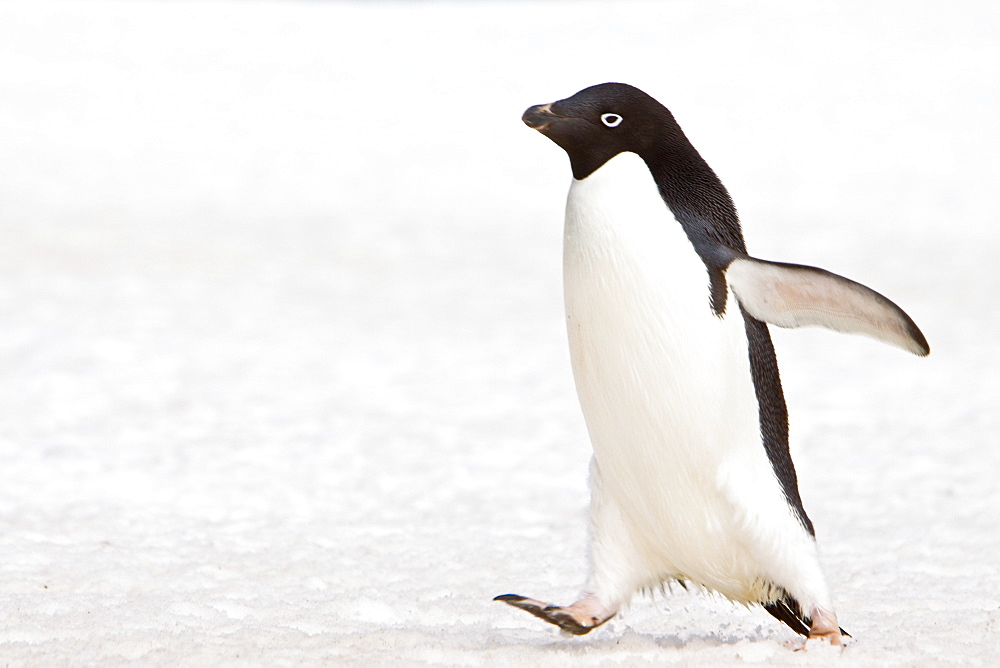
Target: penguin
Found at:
667, 317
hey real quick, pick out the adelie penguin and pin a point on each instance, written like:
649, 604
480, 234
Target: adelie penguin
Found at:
691, 478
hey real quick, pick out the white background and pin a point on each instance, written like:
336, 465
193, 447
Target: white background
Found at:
283, 376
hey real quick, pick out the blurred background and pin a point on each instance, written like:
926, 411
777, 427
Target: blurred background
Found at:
283, 374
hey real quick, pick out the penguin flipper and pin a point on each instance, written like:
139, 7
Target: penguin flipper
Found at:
795, 295
580, 618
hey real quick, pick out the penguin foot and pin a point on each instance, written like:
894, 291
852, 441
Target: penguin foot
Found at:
823, 645
580, 618
824, 627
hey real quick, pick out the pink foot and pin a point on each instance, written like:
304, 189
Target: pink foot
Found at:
825, 627
582, 617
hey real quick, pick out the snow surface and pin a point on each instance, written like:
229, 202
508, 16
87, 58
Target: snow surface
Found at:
283, 375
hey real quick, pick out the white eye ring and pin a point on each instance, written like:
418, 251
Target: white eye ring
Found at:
611, 120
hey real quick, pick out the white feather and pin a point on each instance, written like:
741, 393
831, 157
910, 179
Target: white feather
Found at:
682, 487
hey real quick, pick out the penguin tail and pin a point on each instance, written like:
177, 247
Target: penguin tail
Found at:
786, 610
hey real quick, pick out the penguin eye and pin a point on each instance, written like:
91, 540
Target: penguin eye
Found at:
611, 120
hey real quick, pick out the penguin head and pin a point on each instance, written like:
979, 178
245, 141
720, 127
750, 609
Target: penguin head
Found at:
602, 121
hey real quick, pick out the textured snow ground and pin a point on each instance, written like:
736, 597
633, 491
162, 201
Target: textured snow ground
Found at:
282, 370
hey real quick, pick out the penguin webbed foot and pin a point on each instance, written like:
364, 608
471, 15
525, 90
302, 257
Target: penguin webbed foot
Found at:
827, 642
823, 626
579, 619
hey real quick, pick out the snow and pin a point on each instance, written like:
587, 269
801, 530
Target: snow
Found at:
283, 373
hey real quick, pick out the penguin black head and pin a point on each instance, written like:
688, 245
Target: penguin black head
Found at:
605, 120
602, 121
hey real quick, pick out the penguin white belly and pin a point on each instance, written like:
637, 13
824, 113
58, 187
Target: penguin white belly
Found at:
682, 484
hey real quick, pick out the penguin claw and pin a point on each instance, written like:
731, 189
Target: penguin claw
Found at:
564, 618
834, 638
831, 642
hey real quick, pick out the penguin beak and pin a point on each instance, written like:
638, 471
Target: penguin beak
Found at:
539, 116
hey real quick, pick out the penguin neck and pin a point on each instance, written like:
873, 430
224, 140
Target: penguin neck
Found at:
695, 195
621, 242
701, 204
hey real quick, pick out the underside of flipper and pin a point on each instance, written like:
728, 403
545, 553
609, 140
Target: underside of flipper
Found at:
795, 295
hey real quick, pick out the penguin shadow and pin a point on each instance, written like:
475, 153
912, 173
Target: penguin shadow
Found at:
618, 636
682, 638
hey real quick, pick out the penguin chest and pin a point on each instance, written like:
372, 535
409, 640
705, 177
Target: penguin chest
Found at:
664, 383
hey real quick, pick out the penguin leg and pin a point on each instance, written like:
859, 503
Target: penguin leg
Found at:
611, 580
616, 571
580, 618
